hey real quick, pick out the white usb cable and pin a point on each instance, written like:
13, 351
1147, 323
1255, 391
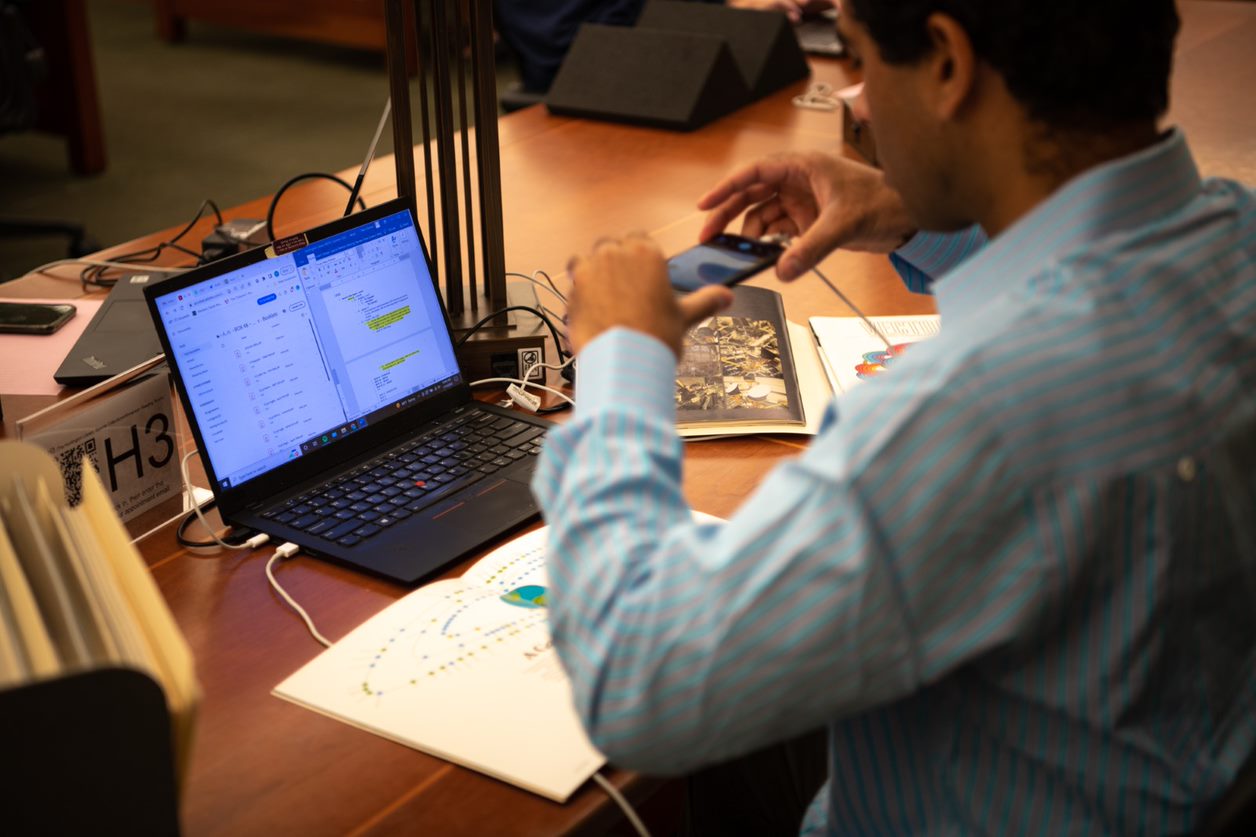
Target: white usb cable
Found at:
623, 804
283, 551
251, 543
518, 385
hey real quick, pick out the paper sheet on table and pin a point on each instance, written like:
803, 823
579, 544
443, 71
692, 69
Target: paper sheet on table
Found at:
28, 361
852, 351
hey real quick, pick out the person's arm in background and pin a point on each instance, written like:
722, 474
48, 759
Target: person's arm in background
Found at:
540, 34
793, 9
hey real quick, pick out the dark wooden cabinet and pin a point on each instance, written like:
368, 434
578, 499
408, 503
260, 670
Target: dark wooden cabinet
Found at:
353, 23
67, 99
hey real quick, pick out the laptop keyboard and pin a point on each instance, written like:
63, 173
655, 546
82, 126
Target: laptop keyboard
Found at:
368, 499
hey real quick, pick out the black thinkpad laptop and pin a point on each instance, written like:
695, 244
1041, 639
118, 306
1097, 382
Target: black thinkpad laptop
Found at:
119, 337
330, 411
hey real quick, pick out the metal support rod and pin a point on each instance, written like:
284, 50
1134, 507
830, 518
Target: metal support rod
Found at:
399, 91
441, 42
464, 128
422, 40
445, 161
487, 154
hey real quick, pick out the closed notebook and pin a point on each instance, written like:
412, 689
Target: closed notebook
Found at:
463, 669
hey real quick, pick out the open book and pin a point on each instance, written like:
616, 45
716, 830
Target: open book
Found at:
76, 596
463, 669
853, 352
739, 373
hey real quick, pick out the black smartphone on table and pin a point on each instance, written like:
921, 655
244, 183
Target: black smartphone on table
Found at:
724, 260
33, 317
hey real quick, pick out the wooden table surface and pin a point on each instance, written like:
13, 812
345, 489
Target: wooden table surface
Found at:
262, 765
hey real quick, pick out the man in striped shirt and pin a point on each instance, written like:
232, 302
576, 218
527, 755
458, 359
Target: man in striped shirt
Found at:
1016, 576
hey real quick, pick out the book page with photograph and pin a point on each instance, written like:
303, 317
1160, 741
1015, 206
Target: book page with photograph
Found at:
738, 367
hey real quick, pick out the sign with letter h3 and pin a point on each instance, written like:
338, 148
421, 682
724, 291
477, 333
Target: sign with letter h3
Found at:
125, 431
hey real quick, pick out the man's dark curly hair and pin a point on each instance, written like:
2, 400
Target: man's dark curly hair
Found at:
1073, 64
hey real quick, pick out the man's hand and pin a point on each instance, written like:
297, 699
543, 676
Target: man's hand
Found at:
623, 282
822, 200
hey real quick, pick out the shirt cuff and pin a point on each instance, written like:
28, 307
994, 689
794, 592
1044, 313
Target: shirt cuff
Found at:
622, 369
916, 280
936, 254
919, 248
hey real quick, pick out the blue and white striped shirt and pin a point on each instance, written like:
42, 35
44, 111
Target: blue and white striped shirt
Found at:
1016, 576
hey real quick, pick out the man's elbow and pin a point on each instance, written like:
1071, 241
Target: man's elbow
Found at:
645, 738
647, 751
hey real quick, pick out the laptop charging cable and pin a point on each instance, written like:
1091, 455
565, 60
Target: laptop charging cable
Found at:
569, 369
624, 805
283, 552
250, 541
517, 388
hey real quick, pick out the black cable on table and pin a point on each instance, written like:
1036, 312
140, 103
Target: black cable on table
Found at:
558, 346
309, 175
95, 274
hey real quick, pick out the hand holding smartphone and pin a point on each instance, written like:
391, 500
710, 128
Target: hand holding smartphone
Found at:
724, 260
33, 317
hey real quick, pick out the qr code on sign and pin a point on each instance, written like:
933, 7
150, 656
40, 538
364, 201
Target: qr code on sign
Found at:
71, 462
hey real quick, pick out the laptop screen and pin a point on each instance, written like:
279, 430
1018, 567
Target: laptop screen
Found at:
294, 353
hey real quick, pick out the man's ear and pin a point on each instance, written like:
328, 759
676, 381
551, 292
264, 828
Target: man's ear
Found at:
952, 65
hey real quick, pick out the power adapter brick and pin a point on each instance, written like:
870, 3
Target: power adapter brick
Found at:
233, 237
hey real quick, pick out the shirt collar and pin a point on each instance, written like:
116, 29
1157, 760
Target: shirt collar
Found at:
1121, 194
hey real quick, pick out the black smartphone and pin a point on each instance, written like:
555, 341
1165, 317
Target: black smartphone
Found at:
724, 260
33, 317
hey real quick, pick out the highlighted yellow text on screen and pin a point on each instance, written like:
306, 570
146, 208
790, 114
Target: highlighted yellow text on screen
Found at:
398, 361
385, 320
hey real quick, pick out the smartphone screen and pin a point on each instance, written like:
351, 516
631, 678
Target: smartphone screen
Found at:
33, 317
724, 260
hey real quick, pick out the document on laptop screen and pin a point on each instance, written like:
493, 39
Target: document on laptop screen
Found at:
292, 353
